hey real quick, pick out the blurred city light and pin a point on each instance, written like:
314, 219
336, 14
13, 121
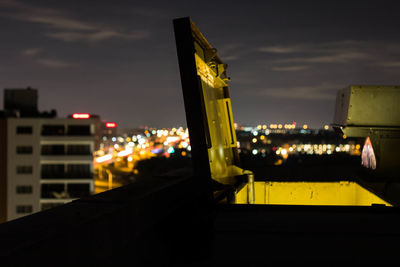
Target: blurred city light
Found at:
111, 125
81, 116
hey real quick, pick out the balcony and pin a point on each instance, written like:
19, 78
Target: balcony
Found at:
52, 150
78, 190
53, 130
79, 175
66, 152
78, 150
79, 130
65, 191
68, 171
53, 191
70, 130
67, 175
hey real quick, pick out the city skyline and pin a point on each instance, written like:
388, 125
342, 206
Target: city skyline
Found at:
286, 60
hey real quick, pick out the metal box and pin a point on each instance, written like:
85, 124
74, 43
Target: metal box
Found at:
368, 105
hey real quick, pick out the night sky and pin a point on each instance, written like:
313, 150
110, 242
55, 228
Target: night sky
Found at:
286, 59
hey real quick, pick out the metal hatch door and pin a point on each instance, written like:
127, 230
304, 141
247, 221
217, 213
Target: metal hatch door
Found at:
207, 105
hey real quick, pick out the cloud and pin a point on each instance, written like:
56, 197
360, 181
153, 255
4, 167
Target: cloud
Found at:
280, 49
327, 47
50, 17
229, 58
317, 92
97, 36
37, 55
54, 63
230, 51
390, 64
339, 57
331, 52
31, 52
59, 22
63, 26
291, 68
150, 12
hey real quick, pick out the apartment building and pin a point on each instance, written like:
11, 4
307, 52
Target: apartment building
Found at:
45, 161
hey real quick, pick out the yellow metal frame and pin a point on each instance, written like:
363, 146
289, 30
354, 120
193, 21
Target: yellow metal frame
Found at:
219, 115
309, 193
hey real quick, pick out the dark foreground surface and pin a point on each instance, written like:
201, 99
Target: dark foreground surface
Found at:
320, 235
167, 221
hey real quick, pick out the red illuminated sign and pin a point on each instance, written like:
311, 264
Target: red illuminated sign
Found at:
81, 115
111, 125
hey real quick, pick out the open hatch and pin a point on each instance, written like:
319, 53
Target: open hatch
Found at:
205, 86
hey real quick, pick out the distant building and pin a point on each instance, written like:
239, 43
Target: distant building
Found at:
109, 130
44, 161
21, 101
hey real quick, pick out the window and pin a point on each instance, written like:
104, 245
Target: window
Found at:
78, 190
53, 150
53, 171
79, 171
53, 191
24, 149
78, 150
24, 209
24, 189
53, 130
24, 129
24, 169
79, 130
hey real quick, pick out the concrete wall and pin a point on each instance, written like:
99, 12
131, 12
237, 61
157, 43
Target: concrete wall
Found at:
13, 178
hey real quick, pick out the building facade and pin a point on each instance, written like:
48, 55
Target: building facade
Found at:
45, 161
49, 162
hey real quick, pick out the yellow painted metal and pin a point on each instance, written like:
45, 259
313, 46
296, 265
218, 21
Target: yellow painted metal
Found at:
241, 197
260, 192
310, 193
368, 105
219, 116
